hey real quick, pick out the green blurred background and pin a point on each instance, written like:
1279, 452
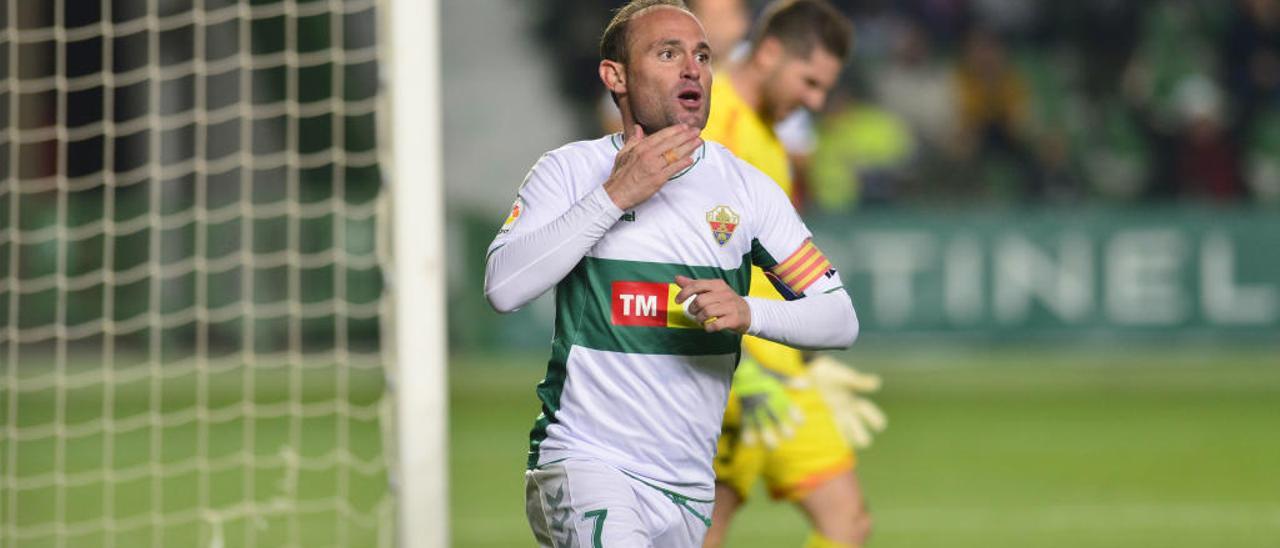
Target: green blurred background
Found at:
1078, 326
1076, 314
1024, 444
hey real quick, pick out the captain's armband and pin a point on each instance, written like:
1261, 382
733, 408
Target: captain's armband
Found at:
807, 268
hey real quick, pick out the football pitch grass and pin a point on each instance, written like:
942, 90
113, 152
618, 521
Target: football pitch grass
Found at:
295, 471
1168, 446
1011, 446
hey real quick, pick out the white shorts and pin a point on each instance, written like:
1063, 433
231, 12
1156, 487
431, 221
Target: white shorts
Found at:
586, 503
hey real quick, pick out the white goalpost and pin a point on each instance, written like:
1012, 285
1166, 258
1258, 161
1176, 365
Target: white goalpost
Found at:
221, 274
412, 54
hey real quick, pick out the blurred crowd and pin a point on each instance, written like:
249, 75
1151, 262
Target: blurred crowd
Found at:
1012, 101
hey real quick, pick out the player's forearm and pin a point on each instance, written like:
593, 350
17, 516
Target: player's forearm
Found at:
816, 322
531, 263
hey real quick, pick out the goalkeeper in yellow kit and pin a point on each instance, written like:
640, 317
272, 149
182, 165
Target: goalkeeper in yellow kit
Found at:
792, 424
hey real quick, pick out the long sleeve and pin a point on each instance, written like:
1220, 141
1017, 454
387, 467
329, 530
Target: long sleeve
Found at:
526, 265
815, 322
818, 314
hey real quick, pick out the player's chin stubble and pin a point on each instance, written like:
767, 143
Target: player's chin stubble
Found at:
655, 116
671, 118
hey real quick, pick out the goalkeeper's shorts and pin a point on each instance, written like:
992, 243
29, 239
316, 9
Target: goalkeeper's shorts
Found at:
816, 453
797, 465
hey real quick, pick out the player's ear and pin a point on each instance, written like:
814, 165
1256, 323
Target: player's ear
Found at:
770, 51
613, 76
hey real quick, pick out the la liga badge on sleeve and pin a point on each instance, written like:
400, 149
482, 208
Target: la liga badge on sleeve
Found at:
723, 222
516, 209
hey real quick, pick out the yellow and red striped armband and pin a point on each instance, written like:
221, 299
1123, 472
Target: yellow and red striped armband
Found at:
802, 268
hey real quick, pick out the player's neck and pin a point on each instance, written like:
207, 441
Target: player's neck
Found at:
628, 121
629, 128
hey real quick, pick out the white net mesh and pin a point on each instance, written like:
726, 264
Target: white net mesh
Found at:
189, 287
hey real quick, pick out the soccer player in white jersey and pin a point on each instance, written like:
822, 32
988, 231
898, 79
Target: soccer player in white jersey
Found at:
648, 237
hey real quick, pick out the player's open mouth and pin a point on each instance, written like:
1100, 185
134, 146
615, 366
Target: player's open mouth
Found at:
690, 99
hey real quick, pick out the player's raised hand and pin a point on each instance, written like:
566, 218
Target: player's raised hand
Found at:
713, 303
845, 390
645, 162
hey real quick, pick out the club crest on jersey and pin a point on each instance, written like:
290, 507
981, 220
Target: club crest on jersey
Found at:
723, 222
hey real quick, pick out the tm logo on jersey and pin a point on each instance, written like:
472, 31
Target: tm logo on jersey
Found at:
649, 304
723, 222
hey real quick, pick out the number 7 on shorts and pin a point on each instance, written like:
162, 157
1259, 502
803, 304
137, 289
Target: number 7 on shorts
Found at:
599, 516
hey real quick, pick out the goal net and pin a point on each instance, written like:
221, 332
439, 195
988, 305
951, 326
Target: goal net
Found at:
191, 286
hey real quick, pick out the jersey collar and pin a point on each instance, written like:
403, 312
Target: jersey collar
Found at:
616, 141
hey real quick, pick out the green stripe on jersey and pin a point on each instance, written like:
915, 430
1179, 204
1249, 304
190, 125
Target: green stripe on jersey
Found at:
584, 309
549, 391
760, 256
583, 318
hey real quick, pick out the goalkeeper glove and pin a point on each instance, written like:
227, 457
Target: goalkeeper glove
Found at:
767, 412
844, 389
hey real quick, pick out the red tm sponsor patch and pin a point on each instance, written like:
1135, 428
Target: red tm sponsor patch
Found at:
640, 303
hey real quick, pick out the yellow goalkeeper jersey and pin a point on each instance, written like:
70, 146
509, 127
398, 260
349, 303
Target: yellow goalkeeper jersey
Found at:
737, 126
